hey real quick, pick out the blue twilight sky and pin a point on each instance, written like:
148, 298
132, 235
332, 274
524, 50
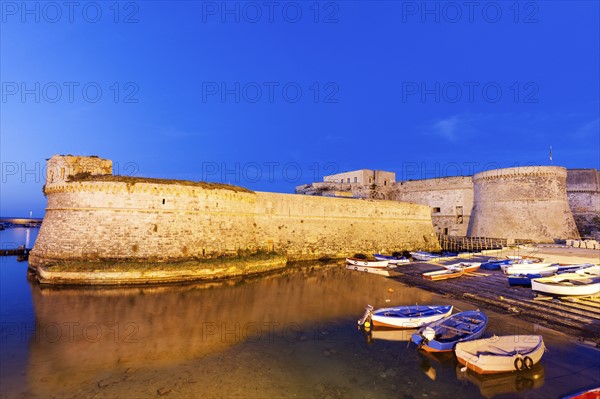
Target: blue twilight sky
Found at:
273, 94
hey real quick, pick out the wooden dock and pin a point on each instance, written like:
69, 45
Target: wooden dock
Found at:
579, 317
21, 251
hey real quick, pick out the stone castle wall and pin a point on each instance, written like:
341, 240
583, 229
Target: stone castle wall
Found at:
449, 196
452, 195
522, 203
164, 221
583, 192
450, 200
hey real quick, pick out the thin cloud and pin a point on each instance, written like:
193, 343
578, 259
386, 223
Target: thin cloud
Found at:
447, 128
589, 129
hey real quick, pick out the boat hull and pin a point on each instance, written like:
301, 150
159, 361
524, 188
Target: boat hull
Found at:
392, 317
423, 256
543, 271
500, 354
568, 284
390, 259
523, 280
367, 263
495, 264
442, 274
467, 267
373, 270
466, 326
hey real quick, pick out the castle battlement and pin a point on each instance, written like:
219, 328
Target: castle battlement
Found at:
522, 171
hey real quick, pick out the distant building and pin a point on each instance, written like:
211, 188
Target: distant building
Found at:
363, 177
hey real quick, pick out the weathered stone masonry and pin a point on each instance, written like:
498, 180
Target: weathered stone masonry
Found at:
94, 219
522, 203
526, 203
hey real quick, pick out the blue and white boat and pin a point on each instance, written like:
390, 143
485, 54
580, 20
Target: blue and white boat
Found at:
406, 316
495, 264
444, 334
522, 279
394, 260
424, 256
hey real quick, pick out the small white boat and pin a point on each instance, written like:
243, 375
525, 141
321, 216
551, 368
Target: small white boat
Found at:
541, 272
526, 267
393, 260
407, 316
443, 274
373, 270
525, 259
500, 354
424, 256
367, 263
567, 284
592, 270
465, 266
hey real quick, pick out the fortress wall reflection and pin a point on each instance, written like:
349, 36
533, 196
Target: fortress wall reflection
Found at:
83, 333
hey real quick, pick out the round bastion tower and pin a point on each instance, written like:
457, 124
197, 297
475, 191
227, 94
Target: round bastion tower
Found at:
522, 203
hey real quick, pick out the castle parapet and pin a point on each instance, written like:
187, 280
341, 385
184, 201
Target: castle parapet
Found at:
62, 168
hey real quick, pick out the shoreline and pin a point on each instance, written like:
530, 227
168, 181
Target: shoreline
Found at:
578, 317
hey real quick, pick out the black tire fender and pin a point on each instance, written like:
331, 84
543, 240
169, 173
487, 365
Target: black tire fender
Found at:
518, 364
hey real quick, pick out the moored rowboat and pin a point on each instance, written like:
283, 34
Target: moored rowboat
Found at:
592, 270
367, 263
394, 260
495, 264
374, 270
567, 284
408, 316
522, 279
444, 334
500, 354
466, 266
516, 268
443, 274
593, 393
424, 256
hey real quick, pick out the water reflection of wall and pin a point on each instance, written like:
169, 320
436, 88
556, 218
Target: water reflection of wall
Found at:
85, 332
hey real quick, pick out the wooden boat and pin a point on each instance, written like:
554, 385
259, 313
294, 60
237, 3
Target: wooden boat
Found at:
394, 260
466, 266
523, 280
517, 268
542, 272
500, 354
407, 316
373, 270
367, 263
444, 334
525, 258
424, 256
593, 393
495, 264
574, 268
592, 270
567, 284
443, 274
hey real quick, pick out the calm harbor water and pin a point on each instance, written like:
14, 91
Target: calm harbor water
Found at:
288, 334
